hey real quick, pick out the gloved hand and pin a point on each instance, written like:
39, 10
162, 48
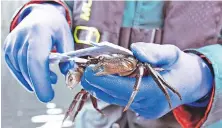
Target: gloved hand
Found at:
27, 47
186, 72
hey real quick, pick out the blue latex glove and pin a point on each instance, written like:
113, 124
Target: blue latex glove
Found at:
187, 73
28, 46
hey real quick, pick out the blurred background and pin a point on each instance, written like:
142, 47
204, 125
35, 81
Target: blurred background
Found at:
21, 109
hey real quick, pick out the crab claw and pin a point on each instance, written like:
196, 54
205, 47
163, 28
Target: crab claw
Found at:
73, 77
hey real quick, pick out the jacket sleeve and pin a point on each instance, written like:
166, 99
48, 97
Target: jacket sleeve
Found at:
212, 114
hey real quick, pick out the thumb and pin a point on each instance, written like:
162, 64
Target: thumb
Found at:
155, 54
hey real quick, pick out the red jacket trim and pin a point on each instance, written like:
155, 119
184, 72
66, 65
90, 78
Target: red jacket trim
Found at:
14, 22
188, 120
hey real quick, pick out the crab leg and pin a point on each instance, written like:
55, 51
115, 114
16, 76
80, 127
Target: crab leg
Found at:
139, 76
170, 87
72, 105
82, 101
95, 105
156, 77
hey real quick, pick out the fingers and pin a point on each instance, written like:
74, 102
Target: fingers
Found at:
16, 54
53, 77
12, 44
64, 67
17, 74
38, 65
61, 37
113, 85
22, 61
106, 97
155, 54
121, 87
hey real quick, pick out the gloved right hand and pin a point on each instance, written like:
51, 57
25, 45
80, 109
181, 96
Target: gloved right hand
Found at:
27, 48
185, 72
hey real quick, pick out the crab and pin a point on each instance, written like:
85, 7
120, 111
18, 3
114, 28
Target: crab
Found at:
122, 65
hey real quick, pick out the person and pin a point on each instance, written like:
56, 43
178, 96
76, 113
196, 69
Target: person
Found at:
187, 43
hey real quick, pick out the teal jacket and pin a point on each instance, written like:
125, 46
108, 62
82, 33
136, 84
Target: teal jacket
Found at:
213, 53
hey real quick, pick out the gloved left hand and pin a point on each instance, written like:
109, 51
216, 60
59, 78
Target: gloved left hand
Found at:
186, 72
27, 47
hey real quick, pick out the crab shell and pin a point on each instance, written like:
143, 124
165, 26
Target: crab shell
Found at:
116, 64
